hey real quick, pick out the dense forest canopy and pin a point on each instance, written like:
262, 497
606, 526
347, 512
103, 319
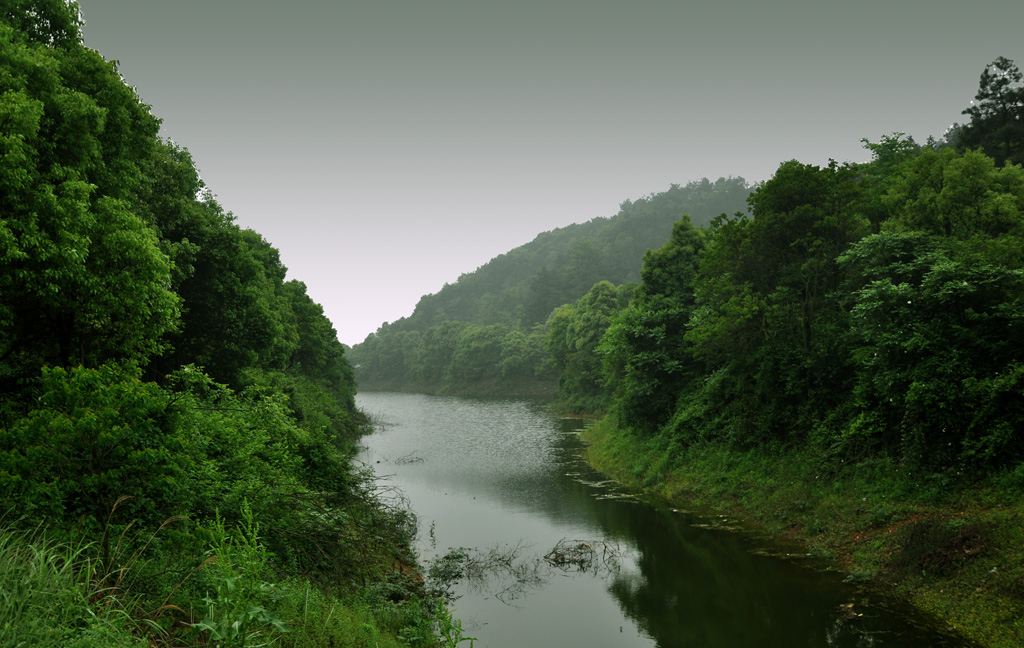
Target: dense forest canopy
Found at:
863, 308
170, 401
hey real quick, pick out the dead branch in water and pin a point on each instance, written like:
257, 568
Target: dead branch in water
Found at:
590, 556
505, 572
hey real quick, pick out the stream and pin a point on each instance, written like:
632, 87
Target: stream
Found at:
563, 557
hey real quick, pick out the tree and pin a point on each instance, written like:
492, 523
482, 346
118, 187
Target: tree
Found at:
940, 374
93, 437
767, 323
522, 355
318, 354
49, 22
997, 114
573, 342
644, 349
936, 303
952, 194
887, 155
478, 355
83, 279
231, 315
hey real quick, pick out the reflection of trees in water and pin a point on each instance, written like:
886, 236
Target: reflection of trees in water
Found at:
507, 572
706, 587
692, 587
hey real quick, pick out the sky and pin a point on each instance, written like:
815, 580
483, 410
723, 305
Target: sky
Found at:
385, 147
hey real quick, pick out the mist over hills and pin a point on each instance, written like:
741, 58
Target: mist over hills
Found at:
520, 288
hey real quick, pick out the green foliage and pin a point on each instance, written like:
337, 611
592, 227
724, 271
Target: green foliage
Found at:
865, 308
455, 357
945, 193
767, 323
522, 354
199, 448
939, 372
156, 362
123, 288
318, 617
240, 444
93, 437
449, 628
318, 355
521, 289
997, 114
235, 613
48, 598
48, 22
877, 176
644, 349
231, 319
523, 286
478, 353
573, 342
84, 279
795, 326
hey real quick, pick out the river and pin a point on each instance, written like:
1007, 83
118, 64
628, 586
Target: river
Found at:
566, 558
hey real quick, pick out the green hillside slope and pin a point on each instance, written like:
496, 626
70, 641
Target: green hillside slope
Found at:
494, 319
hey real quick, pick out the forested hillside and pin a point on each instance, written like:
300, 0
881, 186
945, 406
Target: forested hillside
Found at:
176, 415
870, 307
844, 365
485, 333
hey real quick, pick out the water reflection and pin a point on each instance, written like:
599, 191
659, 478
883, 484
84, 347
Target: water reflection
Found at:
493, 474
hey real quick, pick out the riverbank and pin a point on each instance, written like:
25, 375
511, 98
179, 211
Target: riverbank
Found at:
955, 552
58, 583
538, 390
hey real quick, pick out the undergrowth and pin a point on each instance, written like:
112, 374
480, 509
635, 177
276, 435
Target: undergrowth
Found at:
52, 593
49, 596
954, 548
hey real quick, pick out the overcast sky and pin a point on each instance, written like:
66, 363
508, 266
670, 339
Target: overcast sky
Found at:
386, 147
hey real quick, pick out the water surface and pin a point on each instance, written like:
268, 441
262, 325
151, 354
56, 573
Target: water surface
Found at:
505, 478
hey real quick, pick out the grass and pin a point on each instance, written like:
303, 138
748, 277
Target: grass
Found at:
953, 550
48, 597
53, 594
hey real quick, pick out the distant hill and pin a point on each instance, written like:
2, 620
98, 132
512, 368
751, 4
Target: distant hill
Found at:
520, 288
486, 334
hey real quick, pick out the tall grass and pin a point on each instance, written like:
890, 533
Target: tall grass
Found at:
56, 594
48, 597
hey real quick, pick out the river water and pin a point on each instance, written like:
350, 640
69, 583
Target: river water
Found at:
562, 557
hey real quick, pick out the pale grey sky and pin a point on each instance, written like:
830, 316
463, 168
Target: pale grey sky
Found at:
387, 147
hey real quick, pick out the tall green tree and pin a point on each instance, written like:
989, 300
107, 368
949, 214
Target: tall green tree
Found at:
887, 155
574, 344
228, 278
767, 323
997, 113
940, 374
84, 279
645, 350
936, 303
960, 195
478, 354
56, 23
